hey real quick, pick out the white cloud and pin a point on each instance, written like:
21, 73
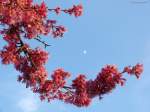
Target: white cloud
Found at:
62, 108
28, 104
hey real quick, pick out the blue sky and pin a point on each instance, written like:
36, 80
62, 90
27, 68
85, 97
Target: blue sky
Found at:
111, 32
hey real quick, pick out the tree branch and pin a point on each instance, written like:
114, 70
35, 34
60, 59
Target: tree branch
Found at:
43, 42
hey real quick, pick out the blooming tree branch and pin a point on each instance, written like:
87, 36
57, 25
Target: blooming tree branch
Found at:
23, 19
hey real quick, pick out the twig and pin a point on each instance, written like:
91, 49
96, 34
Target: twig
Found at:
67, 87
43, 42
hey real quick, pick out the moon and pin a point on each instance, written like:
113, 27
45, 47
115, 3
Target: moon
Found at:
84, 51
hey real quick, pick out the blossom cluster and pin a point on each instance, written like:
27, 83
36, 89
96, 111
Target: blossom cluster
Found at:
76, 10
23, 19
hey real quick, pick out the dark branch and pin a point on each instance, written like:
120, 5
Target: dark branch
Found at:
43, 42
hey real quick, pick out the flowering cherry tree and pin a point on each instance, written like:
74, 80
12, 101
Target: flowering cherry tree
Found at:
23, 19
